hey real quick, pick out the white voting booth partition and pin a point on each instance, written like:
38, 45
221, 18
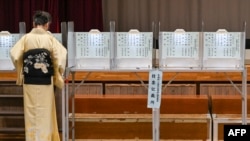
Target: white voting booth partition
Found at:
180, 50
219, 51
91, 50
133, 50
7, 41
223, 50
110, 50
105, 51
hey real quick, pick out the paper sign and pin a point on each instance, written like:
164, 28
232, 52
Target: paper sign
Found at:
154, 89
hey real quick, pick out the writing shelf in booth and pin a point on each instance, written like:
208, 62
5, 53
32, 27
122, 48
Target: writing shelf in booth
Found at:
133, 50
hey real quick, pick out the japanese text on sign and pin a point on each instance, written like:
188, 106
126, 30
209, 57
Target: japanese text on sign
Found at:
154, 89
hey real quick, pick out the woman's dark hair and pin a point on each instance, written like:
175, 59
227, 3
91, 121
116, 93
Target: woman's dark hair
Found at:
41, 18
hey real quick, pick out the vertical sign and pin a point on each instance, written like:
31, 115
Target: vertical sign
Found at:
154, 89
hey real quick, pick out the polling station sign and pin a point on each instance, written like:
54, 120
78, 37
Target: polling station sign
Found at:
154, 89
236, 132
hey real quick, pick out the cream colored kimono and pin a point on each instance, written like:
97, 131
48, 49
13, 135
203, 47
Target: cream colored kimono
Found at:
39, 100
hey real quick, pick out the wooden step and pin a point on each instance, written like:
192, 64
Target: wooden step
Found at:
137, 104
12, 113
11, 96
132, 140
177, 118
12, 136
228, 104
118, 129
221, 119
11, 130
132, 76
127, 117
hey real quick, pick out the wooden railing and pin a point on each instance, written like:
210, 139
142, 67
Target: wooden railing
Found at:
131, 76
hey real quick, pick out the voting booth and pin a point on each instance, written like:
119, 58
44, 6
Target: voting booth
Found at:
133, 50
89, 50
7, 41
180, 50
96, 51
112, 50
219, 50
223, 50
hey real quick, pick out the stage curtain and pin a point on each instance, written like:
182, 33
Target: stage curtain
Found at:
86, 14
15, 11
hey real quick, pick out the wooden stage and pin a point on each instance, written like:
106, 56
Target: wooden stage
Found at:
107, 116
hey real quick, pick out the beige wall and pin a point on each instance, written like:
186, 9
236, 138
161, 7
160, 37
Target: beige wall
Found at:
191, 15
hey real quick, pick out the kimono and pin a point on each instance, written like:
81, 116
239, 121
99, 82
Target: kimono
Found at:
40, 61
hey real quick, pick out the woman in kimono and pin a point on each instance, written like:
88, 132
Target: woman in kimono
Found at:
40, 61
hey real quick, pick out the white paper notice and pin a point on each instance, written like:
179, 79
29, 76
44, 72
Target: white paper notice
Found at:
134, 45
154, 89
222, 45
6, 43
180, 45
92, 45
